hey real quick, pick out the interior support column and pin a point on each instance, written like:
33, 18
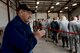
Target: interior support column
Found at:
8, 10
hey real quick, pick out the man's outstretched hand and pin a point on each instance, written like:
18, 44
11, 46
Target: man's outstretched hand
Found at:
38, 34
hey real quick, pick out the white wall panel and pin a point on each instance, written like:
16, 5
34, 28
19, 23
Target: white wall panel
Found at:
12, 13
51, 15
41, 15
3, 15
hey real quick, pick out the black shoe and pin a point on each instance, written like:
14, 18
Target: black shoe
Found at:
70, 51
63, 46
74, 52
67, 46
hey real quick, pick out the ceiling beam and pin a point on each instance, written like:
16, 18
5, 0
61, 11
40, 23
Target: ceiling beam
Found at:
50, 5
44, 0
71, 1
3, 2
12, 3
46, 11
75, 8
64, 5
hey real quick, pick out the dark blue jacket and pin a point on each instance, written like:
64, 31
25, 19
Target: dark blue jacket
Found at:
18, 37
54, 26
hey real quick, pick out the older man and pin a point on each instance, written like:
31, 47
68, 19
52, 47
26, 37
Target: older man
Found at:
18, 37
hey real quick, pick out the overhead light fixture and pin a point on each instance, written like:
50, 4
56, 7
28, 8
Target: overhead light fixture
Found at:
57, 3
61, 11
66, 7
52, 7
36, 6
37, 2
74, 4
48, 11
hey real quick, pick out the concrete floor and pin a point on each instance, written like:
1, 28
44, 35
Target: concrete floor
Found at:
48, 47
